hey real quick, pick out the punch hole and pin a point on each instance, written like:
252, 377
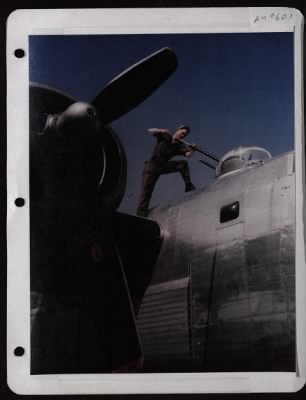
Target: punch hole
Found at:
19, 351
19, 202
19, 53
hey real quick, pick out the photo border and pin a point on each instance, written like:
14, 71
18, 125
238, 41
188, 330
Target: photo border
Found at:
23, 23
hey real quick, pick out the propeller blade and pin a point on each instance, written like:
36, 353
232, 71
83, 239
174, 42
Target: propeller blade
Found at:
135, 84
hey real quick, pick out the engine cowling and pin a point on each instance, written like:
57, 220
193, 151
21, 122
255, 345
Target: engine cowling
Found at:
77, 163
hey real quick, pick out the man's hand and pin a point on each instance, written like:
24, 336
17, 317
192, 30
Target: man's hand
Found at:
192, 147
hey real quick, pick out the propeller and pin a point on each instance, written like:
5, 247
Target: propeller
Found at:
135, 84
119, 96
78, 174
76, 146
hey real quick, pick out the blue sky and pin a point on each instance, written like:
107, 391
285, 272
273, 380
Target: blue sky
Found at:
231, 89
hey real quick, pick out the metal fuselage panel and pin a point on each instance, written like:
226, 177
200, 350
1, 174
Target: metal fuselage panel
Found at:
241, 272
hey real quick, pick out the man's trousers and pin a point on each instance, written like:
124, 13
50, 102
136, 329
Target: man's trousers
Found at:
151, 174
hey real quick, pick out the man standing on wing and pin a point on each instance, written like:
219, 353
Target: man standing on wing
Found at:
167, 146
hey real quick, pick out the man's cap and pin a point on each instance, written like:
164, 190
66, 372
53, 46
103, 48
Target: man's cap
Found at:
184, 127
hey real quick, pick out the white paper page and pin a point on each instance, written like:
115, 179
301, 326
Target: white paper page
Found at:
207, 293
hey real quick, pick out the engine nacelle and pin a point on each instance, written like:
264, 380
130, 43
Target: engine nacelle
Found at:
76, 164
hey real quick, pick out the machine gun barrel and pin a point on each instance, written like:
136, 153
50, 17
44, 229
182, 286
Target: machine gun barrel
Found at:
205, 153
207, 164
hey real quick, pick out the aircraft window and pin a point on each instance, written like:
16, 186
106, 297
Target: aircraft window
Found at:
229, 212
230, 164
242, 157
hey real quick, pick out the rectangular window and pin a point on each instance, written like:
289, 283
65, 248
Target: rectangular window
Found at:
229, 212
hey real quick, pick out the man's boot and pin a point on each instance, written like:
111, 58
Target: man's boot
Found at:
189, 187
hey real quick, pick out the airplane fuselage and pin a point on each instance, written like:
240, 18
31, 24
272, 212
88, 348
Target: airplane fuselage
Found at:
222, 294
